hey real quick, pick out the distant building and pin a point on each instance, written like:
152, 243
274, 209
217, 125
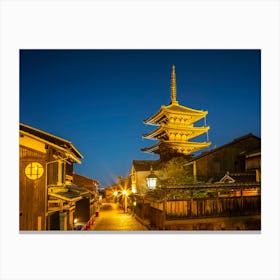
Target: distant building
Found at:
48, 198
140, 170
86, 182
175, 128
88, 207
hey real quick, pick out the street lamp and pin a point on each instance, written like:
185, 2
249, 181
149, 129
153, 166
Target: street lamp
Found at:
151, 180
115, 196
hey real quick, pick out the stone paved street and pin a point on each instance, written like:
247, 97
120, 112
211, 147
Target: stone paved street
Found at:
111, 217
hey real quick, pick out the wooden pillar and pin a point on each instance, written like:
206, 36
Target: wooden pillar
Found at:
63, 220
217, 201
71, 219
258, 175
164, 211
241, 191
39, 222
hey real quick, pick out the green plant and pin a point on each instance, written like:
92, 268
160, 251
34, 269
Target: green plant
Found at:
176, 172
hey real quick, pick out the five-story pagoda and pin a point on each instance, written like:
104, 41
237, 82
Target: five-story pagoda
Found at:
176, 128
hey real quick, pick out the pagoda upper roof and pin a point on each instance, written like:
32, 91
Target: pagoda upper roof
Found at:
189, 131
180, 147
174, 108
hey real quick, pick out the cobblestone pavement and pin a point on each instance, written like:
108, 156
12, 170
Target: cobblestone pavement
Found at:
111, 217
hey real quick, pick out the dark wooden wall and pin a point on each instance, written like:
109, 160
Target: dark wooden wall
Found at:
32, 192
82, 211
229, 158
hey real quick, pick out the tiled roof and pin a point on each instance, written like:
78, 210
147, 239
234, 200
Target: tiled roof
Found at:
85, 180
176, 108
68, 196
71, 193
77, 189
180, 108
246, 177
243, 177
63, 143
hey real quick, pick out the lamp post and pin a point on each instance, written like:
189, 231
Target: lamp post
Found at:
151, 180
115, 196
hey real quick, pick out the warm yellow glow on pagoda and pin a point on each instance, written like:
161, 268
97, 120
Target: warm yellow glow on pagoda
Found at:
176, 126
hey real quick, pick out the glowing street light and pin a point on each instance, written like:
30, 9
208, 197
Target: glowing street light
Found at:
115, 196
151, 180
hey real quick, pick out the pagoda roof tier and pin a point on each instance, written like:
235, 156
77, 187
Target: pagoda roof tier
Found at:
175, 110
172, 132
180, 147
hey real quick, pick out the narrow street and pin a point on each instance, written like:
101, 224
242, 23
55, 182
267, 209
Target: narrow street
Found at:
111, 217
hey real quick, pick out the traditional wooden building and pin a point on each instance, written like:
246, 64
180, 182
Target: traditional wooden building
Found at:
88, 207
175, 128
86, 182
48, 198
241, 155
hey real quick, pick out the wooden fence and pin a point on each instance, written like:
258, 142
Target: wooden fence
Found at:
160, 211
209, 207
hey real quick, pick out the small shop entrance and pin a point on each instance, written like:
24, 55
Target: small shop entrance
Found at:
53, 221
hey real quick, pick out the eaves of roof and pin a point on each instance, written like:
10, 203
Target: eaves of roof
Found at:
63, 143
175, 109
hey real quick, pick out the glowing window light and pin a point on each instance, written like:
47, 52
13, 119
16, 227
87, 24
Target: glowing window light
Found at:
34, 170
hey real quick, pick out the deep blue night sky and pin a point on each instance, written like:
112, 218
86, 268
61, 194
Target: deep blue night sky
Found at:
98, 99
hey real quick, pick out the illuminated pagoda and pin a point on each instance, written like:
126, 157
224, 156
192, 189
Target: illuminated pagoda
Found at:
175, 128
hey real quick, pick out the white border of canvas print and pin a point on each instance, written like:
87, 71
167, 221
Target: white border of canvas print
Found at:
139, 24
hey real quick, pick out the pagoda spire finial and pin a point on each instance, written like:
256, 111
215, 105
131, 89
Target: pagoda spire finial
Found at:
173, 85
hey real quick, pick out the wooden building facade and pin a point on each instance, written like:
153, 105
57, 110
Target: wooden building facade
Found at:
47, 197
93, 204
